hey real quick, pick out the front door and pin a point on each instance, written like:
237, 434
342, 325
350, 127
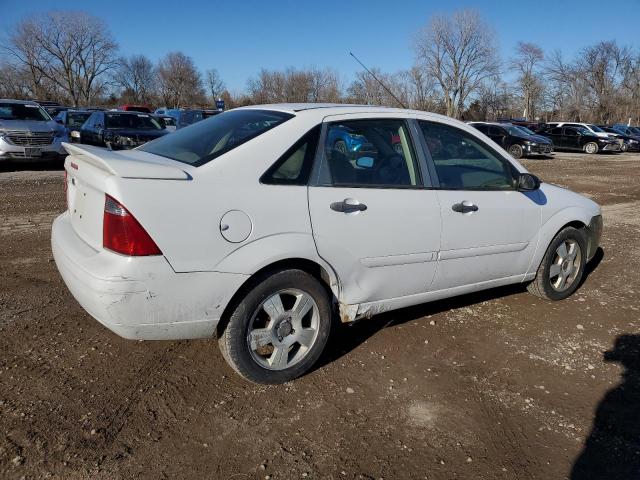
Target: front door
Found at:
372, 220
489, 229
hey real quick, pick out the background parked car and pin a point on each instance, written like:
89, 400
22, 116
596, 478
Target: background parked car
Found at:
184, 116
72, 121
27, 132
630, 143
580, 139
135, 108
167, 121
120, 130
593, 129
627, 130
514, 139
211, 113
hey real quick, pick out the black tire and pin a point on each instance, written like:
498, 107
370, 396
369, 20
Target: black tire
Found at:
542, 286
591, 148
516, 151
234, 343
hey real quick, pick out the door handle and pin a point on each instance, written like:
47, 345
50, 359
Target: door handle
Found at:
464, 207
345, 207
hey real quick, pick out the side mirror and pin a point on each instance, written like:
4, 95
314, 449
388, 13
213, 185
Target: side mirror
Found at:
528, 182
364, 162
59, 120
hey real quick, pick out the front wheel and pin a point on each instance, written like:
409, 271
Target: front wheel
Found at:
562, 266
516, 151
280, 328
591, 147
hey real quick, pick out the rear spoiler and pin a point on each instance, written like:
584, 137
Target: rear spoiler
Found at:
124, 164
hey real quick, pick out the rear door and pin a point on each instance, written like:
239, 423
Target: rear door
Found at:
489, 229
570, 138
373, 221
498, 135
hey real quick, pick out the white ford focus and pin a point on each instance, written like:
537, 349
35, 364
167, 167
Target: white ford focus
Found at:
260, 225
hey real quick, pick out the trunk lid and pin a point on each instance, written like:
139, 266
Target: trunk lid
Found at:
94, 171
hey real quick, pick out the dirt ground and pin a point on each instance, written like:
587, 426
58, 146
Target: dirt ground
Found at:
498, 385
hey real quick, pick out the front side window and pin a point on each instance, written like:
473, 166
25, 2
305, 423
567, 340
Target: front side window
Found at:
203, 141
464, 162
370, 153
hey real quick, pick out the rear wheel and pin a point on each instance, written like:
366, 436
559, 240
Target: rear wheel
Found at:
591, 147
516, 151
279, 329
562, 267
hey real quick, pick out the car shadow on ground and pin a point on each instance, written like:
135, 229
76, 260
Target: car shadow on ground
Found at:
33, 166
347, 337
612, 450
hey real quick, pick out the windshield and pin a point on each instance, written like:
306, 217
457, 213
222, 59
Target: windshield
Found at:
138, 121
635, 130
595, 128
76, 119
19, 111
515, 131
525, 130
210, 138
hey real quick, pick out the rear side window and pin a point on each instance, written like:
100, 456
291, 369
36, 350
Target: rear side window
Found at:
203, 141
294, 167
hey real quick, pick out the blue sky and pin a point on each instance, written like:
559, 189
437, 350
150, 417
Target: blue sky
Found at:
239, 37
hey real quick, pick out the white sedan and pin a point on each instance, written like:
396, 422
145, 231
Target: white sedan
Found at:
262, 225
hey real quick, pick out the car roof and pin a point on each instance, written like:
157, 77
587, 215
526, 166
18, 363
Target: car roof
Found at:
321, 110
19, 102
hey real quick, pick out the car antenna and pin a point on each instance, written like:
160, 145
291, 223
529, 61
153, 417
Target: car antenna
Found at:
378, 80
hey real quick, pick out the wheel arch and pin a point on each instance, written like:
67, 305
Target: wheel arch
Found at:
326, 276
569, 217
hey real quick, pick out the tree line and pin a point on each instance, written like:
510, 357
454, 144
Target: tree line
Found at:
72, 57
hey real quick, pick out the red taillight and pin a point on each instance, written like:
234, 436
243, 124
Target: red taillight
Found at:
122, 233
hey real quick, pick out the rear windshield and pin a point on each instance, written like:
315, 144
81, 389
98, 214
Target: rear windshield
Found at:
19, 111
203, 141
132, 120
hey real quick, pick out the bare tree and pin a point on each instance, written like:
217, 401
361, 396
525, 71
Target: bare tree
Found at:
601, 67
292, 85
215, 85
136, 77
459, 52
70, 50
565, 86
526, 63
179, 81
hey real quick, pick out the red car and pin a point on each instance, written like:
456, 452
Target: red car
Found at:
136, 108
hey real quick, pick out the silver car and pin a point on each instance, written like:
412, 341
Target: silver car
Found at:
27, 132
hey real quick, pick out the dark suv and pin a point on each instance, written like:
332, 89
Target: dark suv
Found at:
580, 139
514, 139
120, 130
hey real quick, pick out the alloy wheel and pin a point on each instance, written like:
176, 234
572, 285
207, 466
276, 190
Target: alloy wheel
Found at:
565, 266
283, 329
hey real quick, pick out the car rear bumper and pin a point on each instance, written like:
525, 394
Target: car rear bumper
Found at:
140, 298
